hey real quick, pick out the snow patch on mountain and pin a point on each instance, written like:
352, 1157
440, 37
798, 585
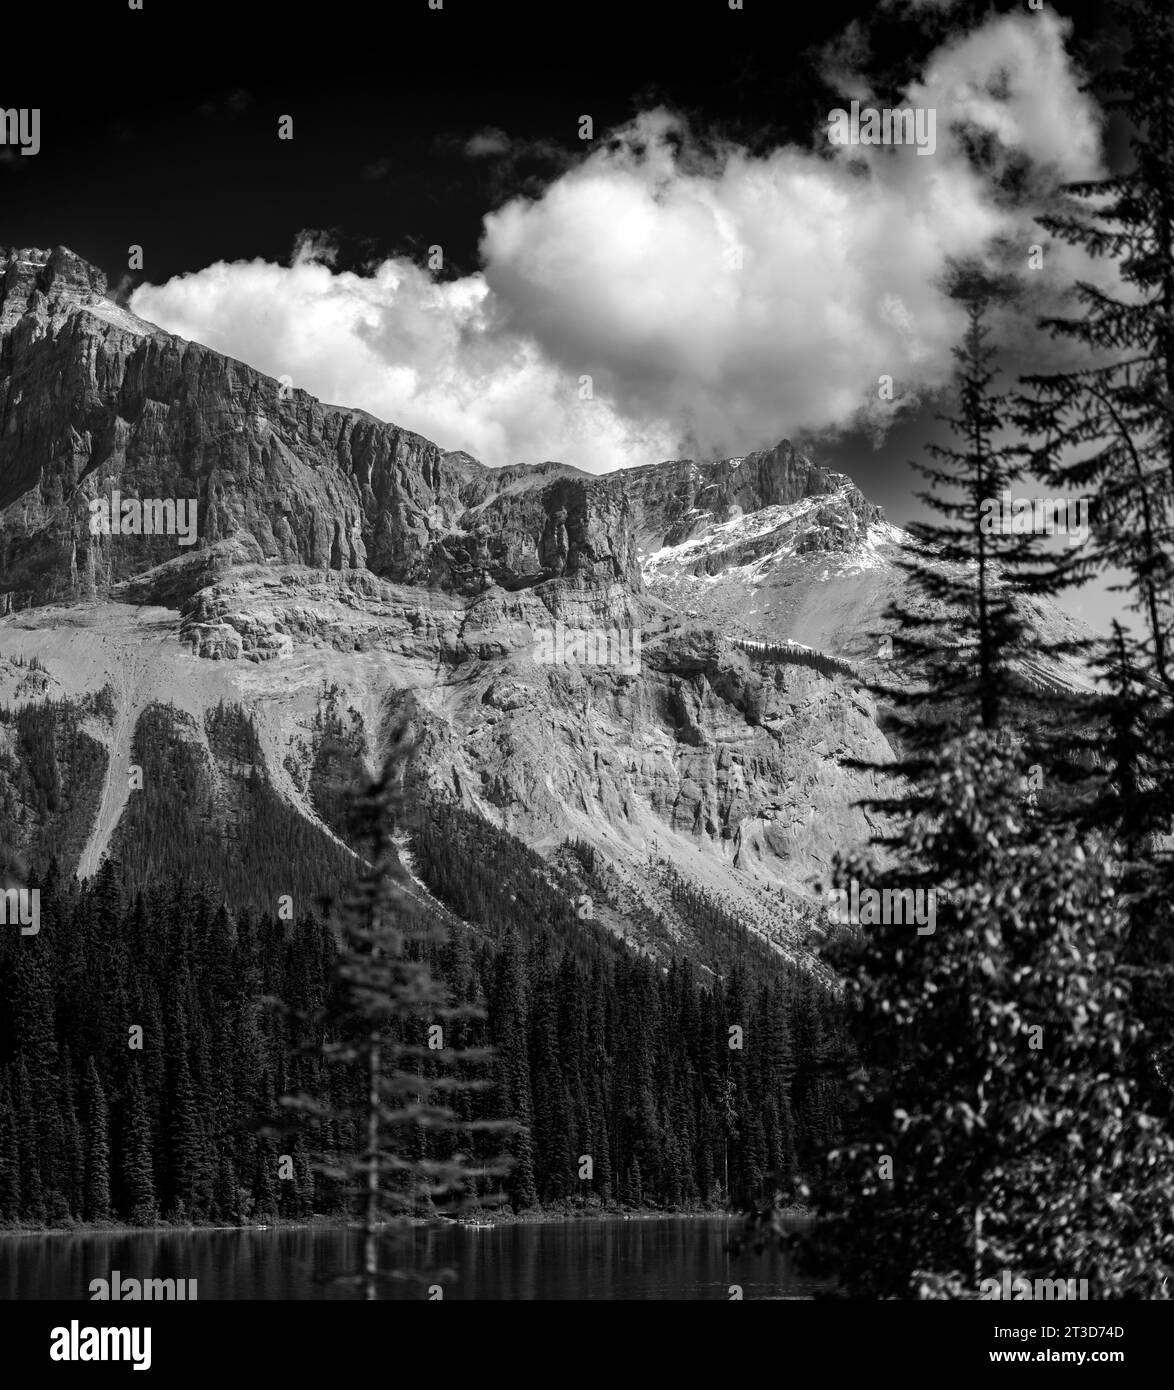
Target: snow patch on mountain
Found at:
739, 530
118, 317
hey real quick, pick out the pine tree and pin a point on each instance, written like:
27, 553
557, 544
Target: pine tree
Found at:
138, 1177
382, 992
73, 1166
998, 1124
10, 1189
184, 1129
34, 1015
996, 1130
964, 638
97, 1147
508, 1020
25, 1112
1121, 401
1107, 429
551, 1115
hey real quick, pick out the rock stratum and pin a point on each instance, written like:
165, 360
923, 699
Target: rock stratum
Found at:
346, 565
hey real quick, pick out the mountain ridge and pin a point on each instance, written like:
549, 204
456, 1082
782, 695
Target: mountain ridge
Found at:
289, 479
340, 554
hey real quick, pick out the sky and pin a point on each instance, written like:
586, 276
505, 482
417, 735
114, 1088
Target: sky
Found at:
704, 275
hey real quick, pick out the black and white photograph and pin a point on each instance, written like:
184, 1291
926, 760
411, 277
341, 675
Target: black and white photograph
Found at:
586, 679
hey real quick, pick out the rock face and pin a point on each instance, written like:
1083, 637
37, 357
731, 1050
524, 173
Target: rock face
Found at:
336, 551
94, 400
674, 501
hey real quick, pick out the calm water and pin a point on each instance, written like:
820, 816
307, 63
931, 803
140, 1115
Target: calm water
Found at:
669, 1259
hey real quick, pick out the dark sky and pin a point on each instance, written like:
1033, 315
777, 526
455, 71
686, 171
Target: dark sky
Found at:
159, 127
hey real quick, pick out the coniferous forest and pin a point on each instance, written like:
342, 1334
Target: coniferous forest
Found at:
138, 1065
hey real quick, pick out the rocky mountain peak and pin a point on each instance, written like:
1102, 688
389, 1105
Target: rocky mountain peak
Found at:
60, 275
94, 400
347, 571
682, 499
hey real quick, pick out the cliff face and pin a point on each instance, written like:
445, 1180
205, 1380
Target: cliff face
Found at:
94, 400
338, 553
674, 501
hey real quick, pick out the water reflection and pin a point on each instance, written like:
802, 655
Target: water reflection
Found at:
662, 1259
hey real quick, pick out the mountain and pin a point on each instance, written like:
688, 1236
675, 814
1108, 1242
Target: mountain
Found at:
347, 574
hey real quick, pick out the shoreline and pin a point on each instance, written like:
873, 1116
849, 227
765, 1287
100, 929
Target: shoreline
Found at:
487, 1215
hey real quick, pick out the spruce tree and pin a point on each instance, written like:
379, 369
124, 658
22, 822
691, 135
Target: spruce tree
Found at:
25, 1111
999, 1126
508, 1020
138, 1175
390, 1097
97, 1147
10, 1189
965, 646
1106, 428
998, 1129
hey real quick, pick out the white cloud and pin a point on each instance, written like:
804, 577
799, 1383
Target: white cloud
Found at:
402, 346
1014, 79
718, 302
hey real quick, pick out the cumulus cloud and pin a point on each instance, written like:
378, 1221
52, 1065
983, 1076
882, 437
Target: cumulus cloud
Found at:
407, 348
1012, 79
716, 300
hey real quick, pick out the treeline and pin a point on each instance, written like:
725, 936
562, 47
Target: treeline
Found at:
138, 1069
51, 772
662, 1034
220, 821
786, 654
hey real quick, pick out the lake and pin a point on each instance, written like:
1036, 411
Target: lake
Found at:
682, 1258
